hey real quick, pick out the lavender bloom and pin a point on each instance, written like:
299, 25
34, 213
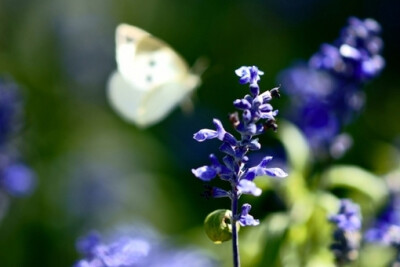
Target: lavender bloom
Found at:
326, 91
346, 235
389, 216
136, 249
124, 251
356, 54
386, 228
257, 116
16, 178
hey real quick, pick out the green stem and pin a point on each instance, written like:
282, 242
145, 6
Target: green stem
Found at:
235, 236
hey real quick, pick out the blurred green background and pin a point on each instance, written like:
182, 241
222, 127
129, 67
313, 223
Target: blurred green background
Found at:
95, 170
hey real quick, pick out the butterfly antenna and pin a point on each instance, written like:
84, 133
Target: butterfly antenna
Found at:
200, 65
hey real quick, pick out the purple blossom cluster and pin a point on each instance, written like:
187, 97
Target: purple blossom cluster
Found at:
257, 116
135, 248
326, 92
16, 178
386, 227
346, 237
356, 54
385, 230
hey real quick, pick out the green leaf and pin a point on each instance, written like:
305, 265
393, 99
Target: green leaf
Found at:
356, 179
296, 146
260, 245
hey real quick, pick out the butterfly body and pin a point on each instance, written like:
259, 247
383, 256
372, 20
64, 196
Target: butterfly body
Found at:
151, 78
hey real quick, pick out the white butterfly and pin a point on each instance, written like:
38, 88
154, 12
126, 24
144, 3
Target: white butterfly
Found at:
151, 78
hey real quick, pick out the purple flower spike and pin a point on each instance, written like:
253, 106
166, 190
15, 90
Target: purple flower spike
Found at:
248, 187
327, 92
245, 218
346, 236
16, 178
255, 115
389, 217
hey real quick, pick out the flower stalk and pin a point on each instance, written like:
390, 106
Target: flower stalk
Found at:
257, 116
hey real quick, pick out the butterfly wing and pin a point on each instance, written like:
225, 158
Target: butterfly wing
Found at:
127, 39
123, 97
151, 79
159, 102
146, 61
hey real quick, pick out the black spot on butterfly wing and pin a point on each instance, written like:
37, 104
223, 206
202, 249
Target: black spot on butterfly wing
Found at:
129, 39
152, 62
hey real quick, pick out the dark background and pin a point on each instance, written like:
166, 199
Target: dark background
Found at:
95, 170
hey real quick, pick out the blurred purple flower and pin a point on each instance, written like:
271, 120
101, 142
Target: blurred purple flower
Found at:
356, 54
346, 237
137, 249
86, 244
326, 93
388, 217
16, 178
348, 217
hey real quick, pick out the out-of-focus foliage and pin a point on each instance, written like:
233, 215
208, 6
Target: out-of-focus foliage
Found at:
95, 171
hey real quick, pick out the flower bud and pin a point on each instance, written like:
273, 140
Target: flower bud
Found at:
218, 227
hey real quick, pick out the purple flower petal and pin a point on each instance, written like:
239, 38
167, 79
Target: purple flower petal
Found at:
205, 173
245, 218
261, 169
205, 134
224, 135
248, 187
275, 172
242, 104
227, 149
